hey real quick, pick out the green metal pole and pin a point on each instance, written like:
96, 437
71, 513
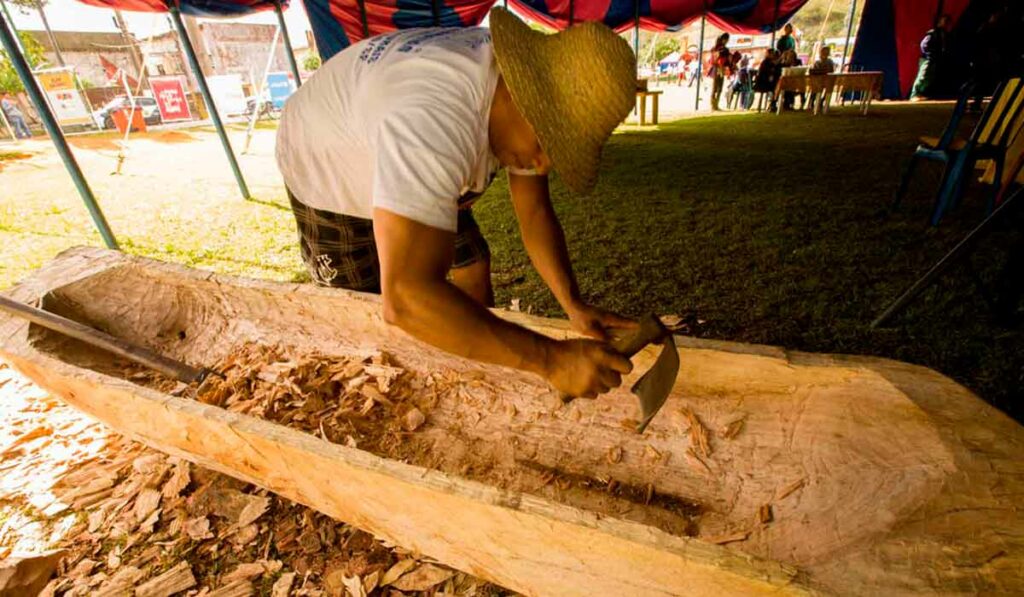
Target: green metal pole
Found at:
636, 30
14, 29
53, 129
204, 89
775, 23
849, 31
287, 44
700, 55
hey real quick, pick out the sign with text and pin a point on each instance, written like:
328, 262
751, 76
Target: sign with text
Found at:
227, 94
66, 102
280, 85
170, 98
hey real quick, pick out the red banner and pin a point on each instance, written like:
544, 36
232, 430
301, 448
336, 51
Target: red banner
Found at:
170, 98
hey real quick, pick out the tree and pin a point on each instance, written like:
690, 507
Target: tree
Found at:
34, 54
663, 45
311, 61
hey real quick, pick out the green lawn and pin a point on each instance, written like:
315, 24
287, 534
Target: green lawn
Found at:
770, 229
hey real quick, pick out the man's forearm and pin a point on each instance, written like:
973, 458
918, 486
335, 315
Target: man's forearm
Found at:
543, 237
442, 315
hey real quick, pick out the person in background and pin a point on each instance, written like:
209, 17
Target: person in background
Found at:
934, 50
721, 67
743, 83
790, 59
786, 43
14, 116
822, 66
768, 75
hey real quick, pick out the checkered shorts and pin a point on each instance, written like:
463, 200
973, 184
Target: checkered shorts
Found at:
340, 250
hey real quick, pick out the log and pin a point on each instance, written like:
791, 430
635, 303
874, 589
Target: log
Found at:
846, 475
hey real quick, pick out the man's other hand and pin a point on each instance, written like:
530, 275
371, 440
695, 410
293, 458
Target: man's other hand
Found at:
596, 322
585, 368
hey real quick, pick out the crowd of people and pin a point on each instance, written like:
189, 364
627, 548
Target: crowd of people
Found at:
735, 77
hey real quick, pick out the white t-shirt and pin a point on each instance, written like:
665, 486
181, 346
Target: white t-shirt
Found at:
398, 121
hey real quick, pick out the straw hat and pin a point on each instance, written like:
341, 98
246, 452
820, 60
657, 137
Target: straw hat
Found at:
573, 87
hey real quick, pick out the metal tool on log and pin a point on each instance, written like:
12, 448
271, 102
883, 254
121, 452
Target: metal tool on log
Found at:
656, 383
79, 331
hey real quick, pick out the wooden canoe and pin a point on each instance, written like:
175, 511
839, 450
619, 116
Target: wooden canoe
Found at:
876, 476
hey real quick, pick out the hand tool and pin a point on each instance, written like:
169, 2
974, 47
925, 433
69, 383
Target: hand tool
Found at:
73, 329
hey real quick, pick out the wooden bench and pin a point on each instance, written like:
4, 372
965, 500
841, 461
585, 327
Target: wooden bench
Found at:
641, 100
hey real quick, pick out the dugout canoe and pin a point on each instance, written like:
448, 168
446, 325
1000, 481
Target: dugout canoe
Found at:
847, 475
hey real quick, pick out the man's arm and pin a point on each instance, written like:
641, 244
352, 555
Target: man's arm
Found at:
414, 262
545, 244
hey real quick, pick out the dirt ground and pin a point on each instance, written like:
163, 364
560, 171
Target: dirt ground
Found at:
176, 199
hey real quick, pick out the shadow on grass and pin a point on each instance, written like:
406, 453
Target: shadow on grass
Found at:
267, 203
773, 229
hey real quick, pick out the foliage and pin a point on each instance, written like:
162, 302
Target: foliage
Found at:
661, 46
311, 61
809, 19
34, 54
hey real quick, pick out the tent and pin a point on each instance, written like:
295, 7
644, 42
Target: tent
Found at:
671, 59
889, 38
339, 23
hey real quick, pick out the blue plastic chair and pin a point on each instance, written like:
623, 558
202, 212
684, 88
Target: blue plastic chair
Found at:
1001, 121
939, 149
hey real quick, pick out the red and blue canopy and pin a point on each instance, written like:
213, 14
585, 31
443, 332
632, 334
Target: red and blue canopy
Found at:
339, 23
195, 8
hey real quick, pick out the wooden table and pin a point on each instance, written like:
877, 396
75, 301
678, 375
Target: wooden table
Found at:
869, 83
641, 100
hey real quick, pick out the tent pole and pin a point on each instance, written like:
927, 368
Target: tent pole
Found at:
362, 18
849, 31
636, 32
258, 107
775, 23
572, 12
204, 89
939, 9
700, 55
14, 30
287, 44
53, 129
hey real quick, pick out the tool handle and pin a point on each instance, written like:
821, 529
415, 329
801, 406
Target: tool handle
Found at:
94, 337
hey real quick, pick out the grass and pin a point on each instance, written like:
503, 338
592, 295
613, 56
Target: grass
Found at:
755, 228
771, 229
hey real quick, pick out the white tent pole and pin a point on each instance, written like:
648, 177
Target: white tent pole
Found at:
259, 91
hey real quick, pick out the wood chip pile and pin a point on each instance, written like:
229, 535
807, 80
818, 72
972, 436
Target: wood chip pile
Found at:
143, 523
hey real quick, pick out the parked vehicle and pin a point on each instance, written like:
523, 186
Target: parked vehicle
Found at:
150, 111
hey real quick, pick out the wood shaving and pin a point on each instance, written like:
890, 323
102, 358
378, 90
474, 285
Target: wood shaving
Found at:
729, 538
765, 514
789, 489
698, 435
732, 429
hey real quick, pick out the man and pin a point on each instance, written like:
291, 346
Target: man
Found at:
386, 147
934, 48
14, 116
787, 42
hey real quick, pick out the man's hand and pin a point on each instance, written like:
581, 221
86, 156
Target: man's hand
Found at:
596, 322
585, 368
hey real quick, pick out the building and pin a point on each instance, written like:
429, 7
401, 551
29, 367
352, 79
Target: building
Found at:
222, 49
83, 50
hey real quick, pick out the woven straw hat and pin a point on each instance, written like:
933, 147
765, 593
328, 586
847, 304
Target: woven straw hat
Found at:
573, 87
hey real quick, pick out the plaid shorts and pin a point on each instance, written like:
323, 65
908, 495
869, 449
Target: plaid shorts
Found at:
340, 250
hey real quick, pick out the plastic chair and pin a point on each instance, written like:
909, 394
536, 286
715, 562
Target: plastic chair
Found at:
1001, 121
938, 149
